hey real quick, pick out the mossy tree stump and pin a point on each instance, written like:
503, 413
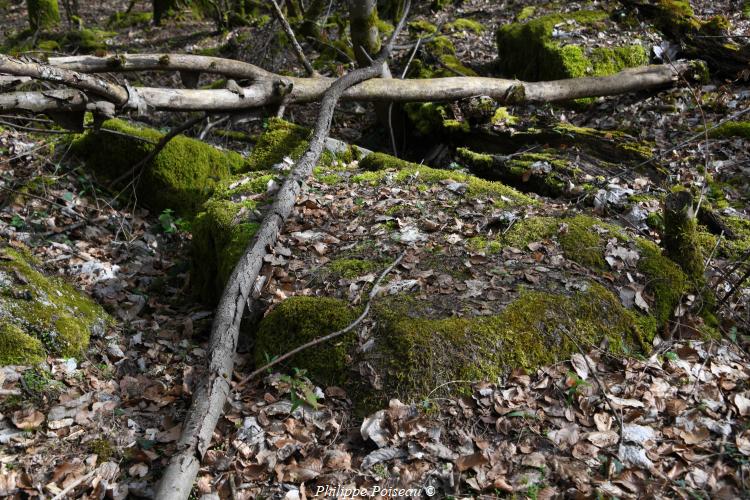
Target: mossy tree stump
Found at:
681, 235
43, 14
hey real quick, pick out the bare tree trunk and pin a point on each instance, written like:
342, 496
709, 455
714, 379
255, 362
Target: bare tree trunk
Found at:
363, 16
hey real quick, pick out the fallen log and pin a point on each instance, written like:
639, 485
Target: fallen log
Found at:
269, 89
210, 395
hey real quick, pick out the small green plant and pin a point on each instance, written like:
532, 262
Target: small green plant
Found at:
380, 470
300, 389
573, 382
39, 383
17, 222
671, 356
171, 224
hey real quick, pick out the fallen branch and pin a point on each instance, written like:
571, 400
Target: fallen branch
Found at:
330, 336
210, 395
113, 92
272, 89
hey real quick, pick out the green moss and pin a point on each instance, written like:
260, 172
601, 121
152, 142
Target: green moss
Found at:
607, 61
523, 170
221, 232
42, 312
680, 234
418, 355
468, 25
43, 14
426, 116
741, 228
352, 268
528, 50
298, 320
746, 9
406, 171
280, 139
579, 237
526, 13
102, 448
181, 177
86, 40
664, 280
483, 245
615, 141
503, 117
731, 129
18, 348
420, 26
128, 20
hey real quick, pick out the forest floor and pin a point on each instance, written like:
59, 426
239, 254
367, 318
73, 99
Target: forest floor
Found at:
672, 423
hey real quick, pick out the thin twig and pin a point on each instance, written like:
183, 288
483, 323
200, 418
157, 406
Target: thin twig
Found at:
295, 44
330, 336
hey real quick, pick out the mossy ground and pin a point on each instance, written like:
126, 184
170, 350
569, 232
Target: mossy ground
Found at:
731, 129
382, 165
41, 315
181, 177
528, 50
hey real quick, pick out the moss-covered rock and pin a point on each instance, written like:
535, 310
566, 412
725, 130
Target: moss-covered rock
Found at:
413, 354
529, 50
279, 140
583, 239
41, 315
181, 177
221, 231
298, 320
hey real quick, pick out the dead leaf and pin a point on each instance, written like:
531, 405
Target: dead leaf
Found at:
27, 419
